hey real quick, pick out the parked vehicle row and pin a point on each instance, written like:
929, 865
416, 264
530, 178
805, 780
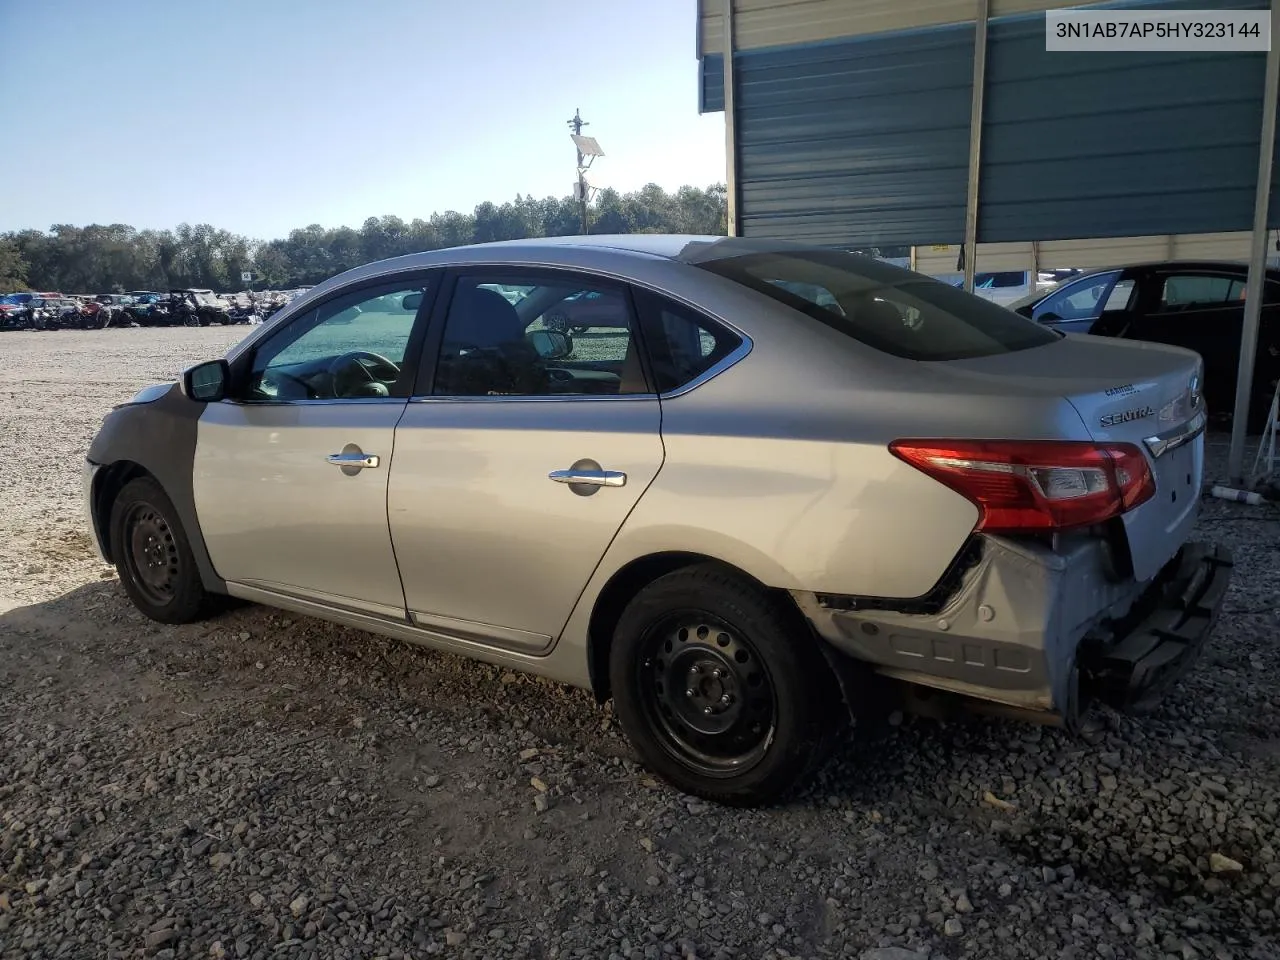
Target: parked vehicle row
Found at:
190, 307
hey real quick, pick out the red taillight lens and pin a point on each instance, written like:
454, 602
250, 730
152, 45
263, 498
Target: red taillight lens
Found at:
1036, 485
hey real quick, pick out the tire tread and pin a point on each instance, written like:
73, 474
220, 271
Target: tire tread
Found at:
781, 637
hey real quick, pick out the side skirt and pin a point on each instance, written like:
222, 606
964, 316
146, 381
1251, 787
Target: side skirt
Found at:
509, 649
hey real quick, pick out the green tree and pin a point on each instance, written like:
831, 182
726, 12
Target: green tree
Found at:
13, 269
113, 257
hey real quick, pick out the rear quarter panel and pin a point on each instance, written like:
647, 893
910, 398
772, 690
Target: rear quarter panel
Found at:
780, 465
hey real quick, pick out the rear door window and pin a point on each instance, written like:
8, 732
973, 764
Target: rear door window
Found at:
683, 346
1189, 290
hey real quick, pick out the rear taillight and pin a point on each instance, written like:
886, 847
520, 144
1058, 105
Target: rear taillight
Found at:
1036, 485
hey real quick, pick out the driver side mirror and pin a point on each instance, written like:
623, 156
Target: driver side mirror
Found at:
207, 382
550, 344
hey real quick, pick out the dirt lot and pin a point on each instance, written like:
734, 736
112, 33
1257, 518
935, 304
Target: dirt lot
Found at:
267, 786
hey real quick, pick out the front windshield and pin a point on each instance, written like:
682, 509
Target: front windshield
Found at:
888, 308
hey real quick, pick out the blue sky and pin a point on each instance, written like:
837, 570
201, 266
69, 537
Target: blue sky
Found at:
264, 115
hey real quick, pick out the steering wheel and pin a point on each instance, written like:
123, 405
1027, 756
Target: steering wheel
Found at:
374, 370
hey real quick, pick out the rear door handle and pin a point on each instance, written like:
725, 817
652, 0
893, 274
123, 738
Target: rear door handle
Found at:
353, 459
593, 478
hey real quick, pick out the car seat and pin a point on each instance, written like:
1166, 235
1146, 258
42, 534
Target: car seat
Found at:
485, 351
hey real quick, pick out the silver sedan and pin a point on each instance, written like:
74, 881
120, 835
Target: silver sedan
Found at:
783, 487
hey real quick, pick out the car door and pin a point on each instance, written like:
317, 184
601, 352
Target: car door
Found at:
1203, 311
1079, 305
291, 474
519, 457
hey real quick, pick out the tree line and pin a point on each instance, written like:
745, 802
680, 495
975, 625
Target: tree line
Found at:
116, 257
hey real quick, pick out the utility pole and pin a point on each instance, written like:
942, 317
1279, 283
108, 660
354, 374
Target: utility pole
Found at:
576, 125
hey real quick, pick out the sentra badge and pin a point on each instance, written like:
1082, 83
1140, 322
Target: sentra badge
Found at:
1126, 416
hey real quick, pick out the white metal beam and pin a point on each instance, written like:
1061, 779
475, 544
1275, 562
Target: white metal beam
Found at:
730, 124
1257, 264
975, 143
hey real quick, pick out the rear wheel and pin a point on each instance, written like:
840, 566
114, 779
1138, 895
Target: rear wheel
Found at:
722, 690
153, 555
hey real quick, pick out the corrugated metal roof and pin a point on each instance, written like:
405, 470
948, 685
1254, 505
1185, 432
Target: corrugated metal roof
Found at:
856, 142
1097, 145
771, 23
864, 141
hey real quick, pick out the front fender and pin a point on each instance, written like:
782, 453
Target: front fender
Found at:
156, 435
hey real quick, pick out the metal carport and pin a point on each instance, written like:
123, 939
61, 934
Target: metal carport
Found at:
946, 122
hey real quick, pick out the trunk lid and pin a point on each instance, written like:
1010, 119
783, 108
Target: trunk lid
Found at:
1127, 391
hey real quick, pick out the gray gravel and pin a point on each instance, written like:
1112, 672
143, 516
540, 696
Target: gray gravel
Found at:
269, 786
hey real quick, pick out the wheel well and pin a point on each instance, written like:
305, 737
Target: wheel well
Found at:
628, 582
107, 486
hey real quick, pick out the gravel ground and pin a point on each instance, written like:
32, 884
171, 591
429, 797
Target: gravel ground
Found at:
263, 785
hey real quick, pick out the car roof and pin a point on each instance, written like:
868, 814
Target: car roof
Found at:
666, 245
1167, 265
623, 252
670, 246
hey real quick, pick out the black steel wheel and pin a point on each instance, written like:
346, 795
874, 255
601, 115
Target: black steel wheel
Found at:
153, 555
706, 693
721, 687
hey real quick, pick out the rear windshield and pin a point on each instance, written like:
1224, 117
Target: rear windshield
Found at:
885, 307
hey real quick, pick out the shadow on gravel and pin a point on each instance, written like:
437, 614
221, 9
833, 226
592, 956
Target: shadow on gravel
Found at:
459, 753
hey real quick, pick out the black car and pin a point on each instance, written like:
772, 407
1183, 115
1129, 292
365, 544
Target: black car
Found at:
1193, 304
144, 303
194, 307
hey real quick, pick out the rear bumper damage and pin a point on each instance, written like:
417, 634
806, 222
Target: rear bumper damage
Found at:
1131, 664
1035, 630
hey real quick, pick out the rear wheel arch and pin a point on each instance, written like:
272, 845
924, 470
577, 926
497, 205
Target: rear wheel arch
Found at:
628, 581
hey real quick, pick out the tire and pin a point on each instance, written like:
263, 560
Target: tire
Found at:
146, 535
783, 711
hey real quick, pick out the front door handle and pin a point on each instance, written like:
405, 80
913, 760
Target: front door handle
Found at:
357, 460
592, 478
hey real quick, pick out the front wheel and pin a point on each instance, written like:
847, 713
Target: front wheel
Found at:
153, 556
721, 689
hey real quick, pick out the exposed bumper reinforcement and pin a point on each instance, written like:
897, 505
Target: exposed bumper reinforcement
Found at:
1132, 663
1040, 630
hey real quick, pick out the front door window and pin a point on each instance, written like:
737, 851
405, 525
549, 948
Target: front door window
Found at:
1082, 299
349, 348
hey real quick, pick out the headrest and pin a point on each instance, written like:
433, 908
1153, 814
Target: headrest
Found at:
483, 318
